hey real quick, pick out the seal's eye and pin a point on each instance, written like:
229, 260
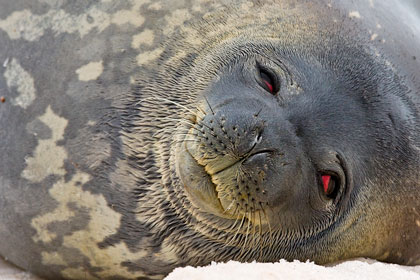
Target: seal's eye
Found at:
268, 80
330, 185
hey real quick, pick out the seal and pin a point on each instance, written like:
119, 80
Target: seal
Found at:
140, 136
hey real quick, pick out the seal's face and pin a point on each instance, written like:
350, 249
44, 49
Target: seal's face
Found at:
277, 143
251, 153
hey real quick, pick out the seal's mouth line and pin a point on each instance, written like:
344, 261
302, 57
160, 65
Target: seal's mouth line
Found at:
242, 159
225, 168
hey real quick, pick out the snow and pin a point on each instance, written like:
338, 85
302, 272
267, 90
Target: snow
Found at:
360, 269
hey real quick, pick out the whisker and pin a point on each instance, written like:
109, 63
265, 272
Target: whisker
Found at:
268, 222
236, 220
177, 120
240, 226
232, 239
170, 101
230, 205
254, 236
247, 231
208, 103
257, 114
199, 109
183, 141
260, 235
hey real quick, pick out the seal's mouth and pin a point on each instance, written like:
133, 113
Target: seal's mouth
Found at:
215, 181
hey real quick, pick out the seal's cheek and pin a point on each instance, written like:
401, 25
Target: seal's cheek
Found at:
196, 182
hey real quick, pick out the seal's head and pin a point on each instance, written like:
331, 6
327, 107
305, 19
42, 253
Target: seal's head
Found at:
283, 140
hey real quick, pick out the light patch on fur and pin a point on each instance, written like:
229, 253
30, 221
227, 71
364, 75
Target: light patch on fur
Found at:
6, 61
17, 77
128, 16
373, 37
90, 71
77, 273
26, 25
354, 14
177, 18
177, 57
91, 123
371, 4
122, 175
144, 38
197, 8
53, 3
104, 221
63, 192
48, 158
148, 56
192, 37
155, 6
52, 258
247, 6
167, 251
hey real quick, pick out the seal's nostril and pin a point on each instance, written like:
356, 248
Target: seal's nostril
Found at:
258, 138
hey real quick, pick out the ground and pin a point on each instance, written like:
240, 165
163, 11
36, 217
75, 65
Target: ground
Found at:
361, 269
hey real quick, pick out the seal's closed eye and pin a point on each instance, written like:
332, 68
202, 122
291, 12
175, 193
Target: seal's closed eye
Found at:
268, 80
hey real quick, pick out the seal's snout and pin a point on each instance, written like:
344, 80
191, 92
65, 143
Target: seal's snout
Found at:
233, 132
251, 158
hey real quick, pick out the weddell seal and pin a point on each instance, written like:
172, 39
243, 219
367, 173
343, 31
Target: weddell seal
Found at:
140, 136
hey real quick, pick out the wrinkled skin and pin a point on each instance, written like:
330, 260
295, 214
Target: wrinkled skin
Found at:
139, 136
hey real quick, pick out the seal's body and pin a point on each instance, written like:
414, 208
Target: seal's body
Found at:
138, 136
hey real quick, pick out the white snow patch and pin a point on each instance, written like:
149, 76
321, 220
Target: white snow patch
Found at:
360, 269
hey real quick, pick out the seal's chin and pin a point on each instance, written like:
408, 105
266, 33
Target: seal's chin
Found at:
198, 184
